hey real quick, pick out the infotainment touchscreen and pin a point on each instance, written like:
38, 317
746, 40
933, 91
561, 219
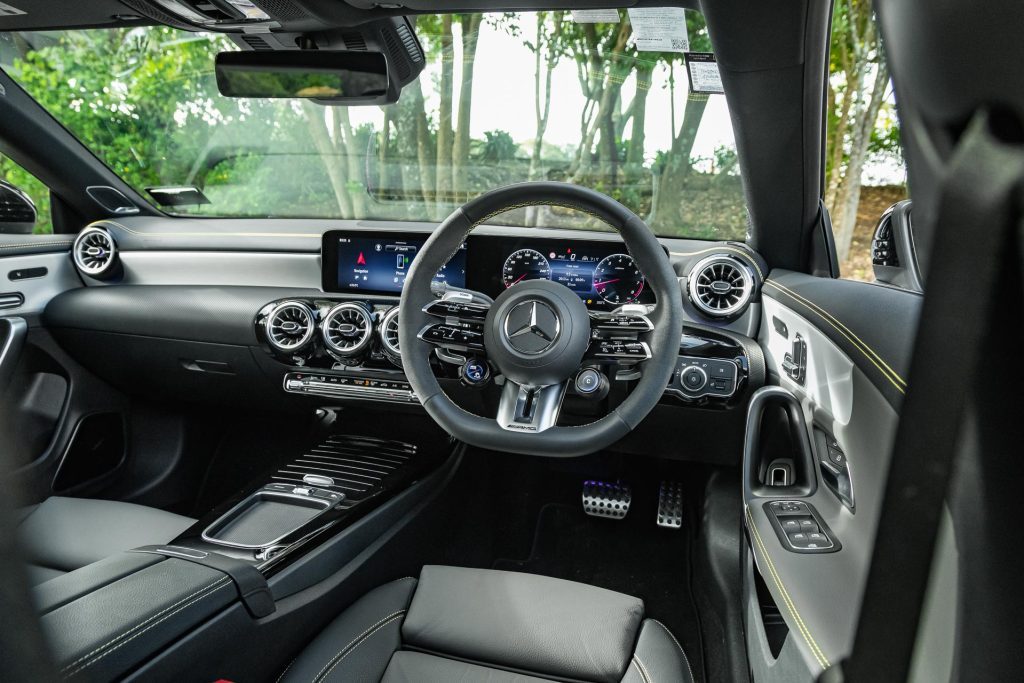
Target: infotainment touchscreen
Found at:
378, 262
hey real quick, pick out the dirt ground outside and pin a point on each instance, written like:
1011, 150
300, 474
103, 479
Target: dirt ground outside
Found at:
873, 201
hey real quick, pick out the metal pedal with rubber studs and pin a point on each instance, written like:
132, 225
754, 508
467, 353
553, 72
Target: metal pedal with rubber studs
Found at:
670, 505
602, 499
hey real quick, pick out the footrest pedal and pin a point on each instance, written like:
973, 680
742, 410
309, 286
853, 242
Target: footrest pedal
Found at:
670, 505
602, 499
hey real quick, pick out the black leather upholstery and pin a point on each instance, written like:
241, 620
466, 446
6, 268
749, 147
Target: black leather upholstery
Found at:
456, 624
63, 534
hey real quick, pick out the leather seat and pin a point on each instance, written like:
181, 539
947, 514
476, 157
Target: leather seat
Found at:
456, 624
63, 534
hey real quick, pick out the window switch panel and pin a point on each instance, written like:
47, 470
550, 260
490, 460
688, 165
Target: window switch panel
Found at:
800, 528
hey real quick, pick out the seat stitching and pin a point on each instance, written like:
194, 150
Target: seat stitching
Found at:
355, 642
125, 642
279, 678
818, 653
681, 650
138, 626
642, 669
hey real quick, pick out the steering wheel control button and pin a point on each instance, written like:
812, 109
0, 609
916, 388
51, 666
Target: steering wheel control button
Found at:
626, 351
588, 381
457, 310
475, 372
532, 327
591, 384
454, 335
602, 499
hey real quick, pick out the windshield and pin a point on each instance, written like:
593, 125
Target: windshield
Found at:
503, 98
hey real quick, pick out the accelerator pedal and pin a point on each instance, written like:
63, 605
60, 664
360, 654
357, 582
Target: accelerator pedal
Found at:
601, 499
670, 505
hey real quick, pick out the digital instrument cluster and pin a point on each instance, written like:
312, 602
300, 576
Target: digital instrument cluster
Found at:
600, 272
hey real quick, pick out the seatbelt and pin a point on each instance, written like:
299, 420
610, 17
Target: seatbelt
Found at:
975, 244
251, 584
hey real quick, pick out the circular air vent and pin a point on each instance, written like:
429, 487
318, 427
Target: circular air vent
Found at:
720, 286
289, 326
389, 335
95, 252
347, 329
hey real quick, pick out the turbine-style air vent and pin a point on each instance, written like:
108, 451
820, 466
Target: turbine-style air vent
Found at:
95, 252
347, 329
289, 326
389, 336
720, 286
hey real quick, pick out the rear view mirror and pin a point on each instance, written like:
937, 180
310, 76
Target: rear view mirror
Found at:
327, 76
17, 211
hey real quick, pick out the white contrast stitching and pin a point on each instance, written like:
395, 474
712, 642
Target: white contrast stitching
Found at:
642, 669
681, 650
153, 625
355, 642
138, 626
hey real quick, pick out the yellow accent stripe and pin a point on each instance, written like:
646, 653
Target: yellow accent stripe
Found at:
818, 653
734, 250
869, 353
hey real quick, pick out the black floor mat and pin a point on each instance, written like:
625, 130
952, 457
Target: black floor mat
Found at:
632, 556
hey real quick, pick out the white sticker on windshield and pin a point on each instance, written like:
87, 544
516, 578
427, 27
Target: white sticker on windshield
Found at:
702, 68
659, 29
595, 16
8, 11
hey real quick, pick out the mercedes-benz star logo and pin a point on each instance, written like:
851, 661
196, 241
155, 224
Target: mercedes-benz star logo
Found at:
532, 327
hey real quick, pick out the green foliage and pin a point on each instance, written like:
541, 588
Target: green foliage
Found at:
145, 101
27, 183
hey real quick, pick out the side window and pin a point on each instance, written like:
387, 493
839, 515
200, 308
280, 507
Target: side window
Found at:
865, 172
37, 192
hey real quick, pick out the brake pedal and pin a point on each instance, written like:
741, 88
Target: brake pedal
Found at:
670, 505
601, 499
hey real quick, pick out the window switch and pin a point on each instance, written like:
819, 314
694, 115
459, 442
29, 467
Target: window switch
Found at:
800, 528
790, 524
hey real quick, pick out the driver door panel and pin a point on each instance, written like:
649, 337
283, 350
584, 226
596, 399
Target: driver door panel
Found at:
801, 608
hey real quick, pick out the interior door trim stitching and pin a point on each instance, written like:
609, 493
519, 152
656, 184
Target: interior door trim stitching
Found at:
208, 587
821, 311
898, 382
816, 650
356, 642
213, 589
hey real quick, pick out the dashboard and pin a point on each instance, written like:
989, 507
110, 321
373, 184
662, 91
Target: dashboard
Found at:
600, 272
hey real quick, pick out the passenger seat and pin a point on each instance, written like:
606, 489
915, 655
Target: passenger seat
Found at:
61, 535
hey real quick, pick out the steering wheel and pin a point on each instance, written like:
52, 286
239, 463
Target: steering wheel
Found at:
536, 333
